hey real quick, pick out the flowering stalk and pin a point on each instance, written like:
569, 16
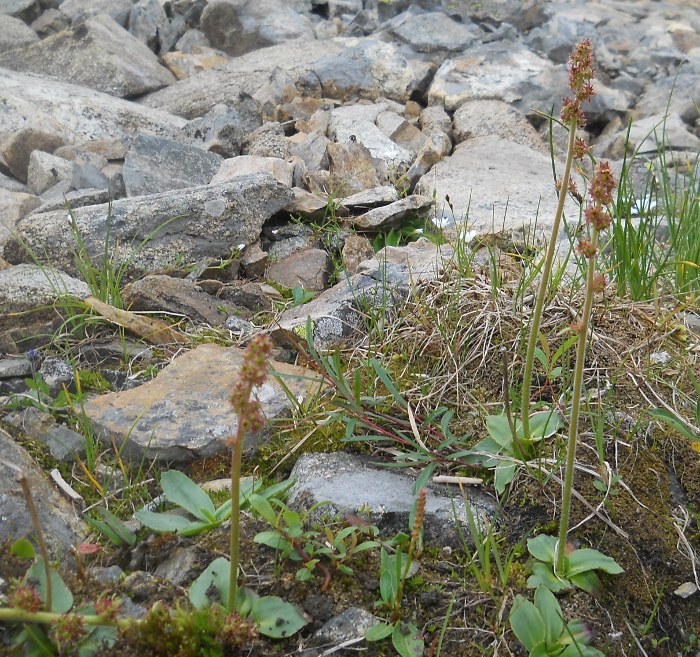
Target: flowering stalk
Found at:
250, 418
580, 76
413, 548
598, 219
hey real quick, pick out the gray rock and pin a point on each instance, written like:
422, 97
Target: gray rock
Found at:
238, 326
234, 83
648, 136
156, 165
11, 368
392, 215
59, 524
193, 37
219, 131
238, 27
184, 413
370, 69
435, 118
437, 147
337, 8
370, 136
268, 144
356, 249
14, 206
77, 11
173, 295
307, 205
88, 176
490, 71
246, 165
434, 31
57, 373
24, 10
481, 118
17, 150
28, 287
98, 54
12, 185
675, 94
352, 482
63, 443
246, 295
309, 268
371, 198
148, 22
202, 222
57, 197
52, 21
180, 566
16, 34
312, 150
353, 623
495, 184
30, 99
46, 170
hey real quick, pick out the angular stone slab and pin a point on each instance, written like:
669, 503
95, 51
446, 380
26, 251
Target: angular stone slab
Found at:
495, 184
156, 165
353, 483
92, 115
59, 523
98, 54
202, 222
229, 83
184, 413
393, 214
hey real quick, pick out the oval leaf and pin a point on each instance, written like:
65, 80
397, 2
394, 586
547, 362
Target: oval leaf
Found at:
161, 522
218, 574
379, 632
527, 623
276, 618
407, 640
181, 490
61, 597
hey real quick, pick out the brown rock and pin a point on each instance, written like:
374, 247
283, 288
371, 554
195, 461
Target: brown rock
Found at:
184, 64
357, 249
18, 148
351, 168
246, 295
173, 295
309, 268
254, 261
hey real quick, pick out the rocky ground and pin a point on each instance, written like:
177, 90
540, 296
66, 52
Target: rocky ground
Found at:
232, 167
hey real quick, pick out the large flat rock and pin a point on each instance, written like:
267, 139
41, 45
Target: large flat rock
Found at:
193, 224
228, 83
99, 54
495, 184
184, 414
28, 98
59, 522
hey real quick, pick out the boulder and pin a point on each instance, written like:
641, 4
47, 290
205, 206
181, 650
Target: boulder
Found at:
78, 11
309, 268
156, 165
434, 32
184, 414
494, 184
16, 34
239, 26
202, 222
28, 99
98, 54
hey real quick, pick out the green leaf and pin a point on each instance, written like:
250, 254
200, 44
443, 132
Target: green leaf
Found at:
499, 429
61, 597
407, 640
245, 600
423, 477
224, 511
101, 635
181, 490
35, 642
161, 522
217, 574
505, 471
550, 611
527, 623
276, 618
382, 374
673, 421
272, 539
23, 549
589, 582
543, 547
304, 575
542, 575
195, 528
539, 354
379, 632
587, 559
105, 529
119, 528
543, 425
264, 509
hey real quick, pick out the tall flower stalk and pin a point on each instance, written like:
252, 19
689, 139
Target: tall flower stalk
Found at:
250, 418
580, 75
598, 219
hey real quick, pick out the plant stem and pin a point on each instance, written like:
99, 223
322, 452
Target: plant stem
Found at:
14, 614
544, 283
575, 412
236, 449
